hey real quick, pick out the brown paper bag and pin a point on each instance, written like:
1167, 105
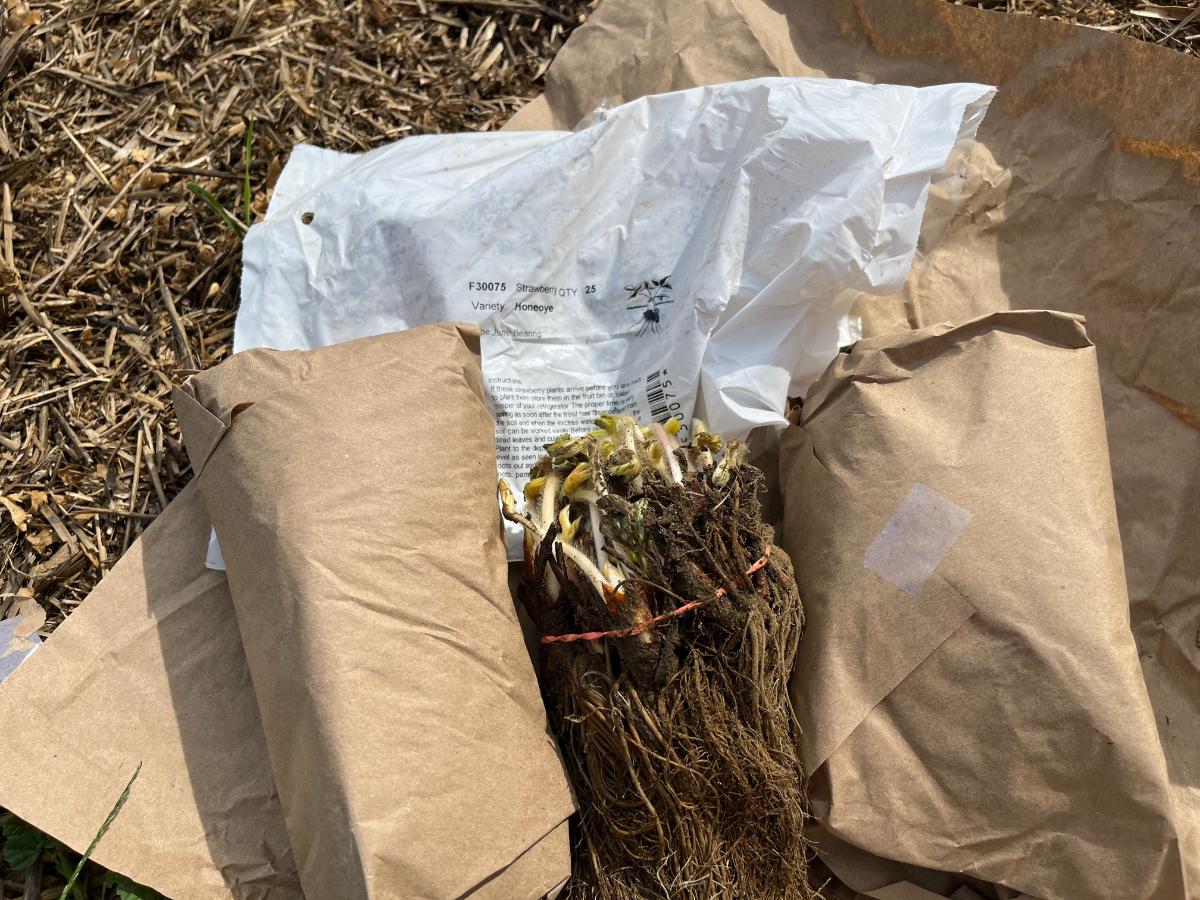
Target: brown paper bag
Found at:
353, 493
968, 690
156, 650
150, 669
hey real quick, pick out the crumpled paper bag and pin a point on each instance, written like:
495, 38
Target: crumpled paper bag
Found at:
353, 488
150, 669
968, 689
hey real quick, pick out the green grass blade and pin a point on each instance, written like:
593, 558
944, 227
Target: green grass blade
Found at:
112, 817
220, 210
247, 150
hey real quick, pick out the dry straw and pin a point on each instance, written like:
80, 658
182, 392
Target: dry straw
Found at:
115, 280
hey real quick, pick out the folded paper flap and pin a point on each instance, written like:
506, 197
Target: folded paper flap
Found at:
863, 633
1019, 758
880, 878
275, 370
894, 357
206, 406
203, 428
910, 349
154, 646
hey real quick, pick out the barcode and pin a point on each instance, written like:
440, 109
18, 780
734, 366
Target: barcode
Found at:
656, 396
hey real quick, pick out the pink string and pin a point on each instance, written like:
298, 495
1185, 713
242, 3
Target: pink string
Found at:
652, 623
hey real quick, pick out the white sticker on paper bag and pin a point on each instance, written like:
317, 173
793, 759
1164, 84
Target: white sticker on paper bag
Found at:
916, 538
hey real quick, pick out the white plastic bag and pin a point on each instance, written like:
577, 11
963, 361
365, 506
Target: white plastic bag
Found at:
697, 250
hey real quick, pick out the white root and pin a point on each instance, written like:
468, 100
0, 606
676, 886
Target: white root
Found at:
668, 444
586, 567
549, 501
597, 537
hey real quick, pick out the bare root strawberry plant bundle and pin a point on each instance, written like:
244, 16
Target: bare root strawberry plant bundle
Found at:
669, 624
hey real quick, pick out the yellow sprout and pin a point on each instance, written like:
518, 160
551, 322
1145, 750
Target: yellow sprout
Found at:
533, 488
563, 448
672, 426
568, 528
580, 477
629, 468
735, 456
508, 505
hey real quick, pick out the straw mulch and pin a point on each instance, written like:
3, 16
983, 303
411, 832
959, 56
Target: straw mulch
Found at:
1175, 25
115, 281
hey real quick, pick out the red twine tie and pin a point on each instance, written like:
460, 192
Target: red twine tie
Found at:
656, 621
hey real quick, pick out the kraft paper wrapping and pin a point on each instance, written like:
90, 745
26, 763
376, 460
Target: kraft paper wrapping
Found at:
352, 488
969, 692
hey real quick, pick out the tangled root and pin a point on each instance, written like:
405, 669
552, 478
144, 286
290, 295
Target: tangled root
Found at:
682, 746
